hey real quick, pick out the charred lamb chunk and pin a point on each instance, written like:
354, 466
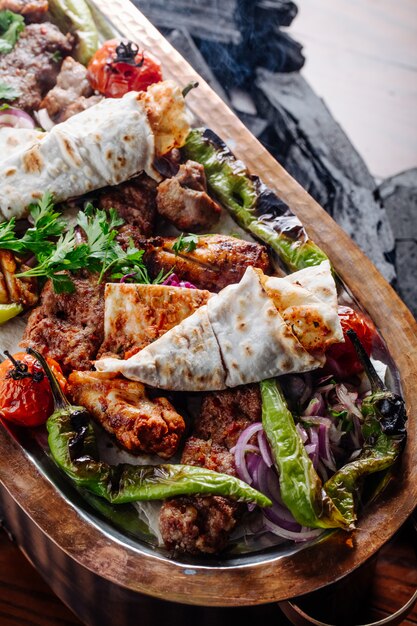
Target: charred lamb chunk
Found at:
69, 327
33, 65
202, 524
71, 94
184, 201
32, 10
217, 261
135, 202
124, 410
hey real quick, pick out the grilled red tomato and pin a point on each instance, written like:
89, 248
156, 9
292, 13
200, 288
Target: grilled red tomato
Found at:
343, 354
120, 66
25, 393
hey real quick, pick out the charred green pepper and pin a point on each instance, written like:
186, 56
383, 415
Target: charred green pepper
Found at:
73, 447
301, 488
255, 208
384, 434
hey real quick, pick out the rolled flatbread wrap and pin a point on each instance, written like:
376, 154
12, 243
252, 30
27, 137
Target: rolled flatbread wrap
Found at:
103, 145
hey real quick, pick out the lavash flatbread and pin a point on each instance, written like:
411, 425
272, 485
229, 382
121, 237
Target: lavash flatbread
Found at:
247, 337
104, 145
307, 301
136, 315
186, 358
254, 340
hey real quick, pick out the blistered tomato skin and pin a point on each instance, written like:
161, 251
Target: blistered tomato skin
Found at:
344, 354
25, 393
113, 72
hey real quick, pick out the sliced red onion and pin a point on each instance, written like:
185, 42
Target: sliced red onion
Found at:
316, 406
282, 517
174, 281
302, 432
265, 449
240, 450
43, 119
15, 118
347, 400
303, 535
126, 276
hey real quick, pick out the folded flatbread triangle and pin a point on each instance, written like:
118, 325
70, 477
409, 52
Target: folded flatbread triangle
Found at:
238, 337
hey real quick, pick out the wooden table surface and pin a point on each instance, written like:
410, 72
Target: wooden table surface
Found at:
373, 52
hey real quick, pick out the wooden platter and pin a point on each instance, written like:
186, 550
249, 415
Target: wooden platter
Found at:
48, 520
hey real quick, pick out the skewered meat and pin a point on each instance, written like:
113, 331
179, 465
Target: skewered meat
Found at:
69, 327
135, 202
202, 524
12, 289
124, 410
184, 201
71, 94
217, 261
33, 65
32, 10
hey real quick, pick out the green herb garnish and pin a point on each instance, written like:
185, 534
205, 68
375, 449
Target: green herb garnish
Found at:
11, 25
58, 251
186, 243
7, 92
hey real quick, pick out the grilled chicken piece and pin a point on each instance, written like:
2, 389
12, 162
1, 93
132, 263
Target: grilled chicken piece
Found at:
32, 66
202, 524
71, 94
217, 261
12, 289
124, 410
32, 10
135, 202
69, 327
184, 201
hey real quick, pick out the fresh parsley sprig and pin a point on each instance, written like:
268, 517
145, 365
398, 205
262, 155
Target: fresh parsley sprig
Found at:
59, 253
186, 243
11, 25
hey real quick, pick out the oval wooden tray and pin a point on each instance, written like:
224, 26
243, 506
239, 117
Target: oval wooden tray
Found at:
261, 579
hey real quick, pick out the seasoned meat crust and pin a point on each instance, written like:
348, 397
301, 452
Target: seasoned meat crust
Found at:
71, 94
217, 261
198, 524
135, 202
124, 410
32, 66
32, 10
184, 201
69, 327
224, 415
201, 525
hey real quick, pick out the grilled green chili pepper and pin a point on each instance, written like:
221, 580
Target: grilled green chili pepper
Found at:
301, 488
73, 446
255, 208
384, 433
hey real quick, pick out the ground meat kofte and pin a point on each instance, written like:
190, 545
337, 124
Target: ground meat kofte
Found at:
202, 524
32, 67
69, 327
135, 202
